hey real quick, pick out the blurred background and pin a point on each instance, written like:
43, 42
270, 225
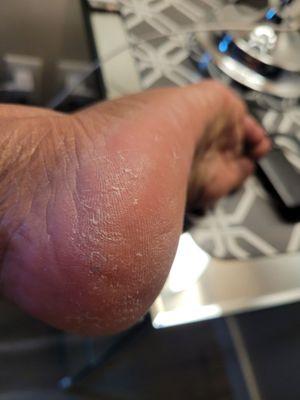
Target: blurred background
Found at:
226, 326
45, 48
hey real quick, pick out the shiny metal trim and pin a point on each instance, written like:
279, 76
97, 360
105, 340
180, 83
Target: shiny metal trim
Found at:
285, 86
228, 287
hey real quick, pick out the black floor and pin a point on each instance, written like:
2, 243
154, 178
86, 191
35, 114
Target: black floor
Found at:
181, 363
272, 339
191, 362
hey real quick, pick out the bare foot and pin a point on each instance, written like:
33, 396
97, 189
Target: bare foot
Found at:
92, 204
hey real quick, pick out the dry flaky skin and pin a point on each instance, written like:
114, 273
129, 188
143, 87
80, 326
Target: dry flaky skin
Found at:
91, 205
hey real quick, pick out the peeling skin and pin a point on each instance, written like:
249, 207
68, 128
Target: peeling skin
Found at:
92, 204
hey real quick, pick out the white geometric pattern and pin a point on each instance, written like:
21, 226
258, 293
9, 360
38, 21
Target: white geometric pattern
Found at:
245, 224
226, 229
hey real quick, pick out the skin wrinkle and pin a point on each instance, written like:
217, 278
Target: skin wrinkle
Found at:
74, 193
97, 130
5, 144
71, 184
96, 245
5, 160
25, 112
47, 206
114, 114
45, 173
83, 130
57, 145
119, 114
18, 196
96, 233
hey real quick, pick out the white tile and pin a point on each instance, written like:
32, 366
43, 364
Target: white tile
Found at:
118, 66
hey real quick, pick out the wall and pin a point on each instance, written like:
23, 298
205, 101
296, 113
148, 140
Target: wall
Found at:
50, 29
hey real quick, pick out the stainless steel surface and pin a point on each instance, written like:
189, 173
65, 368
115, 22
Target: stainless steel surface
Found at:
289, 10
279, 49
286, 85
266, 58
200, 287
